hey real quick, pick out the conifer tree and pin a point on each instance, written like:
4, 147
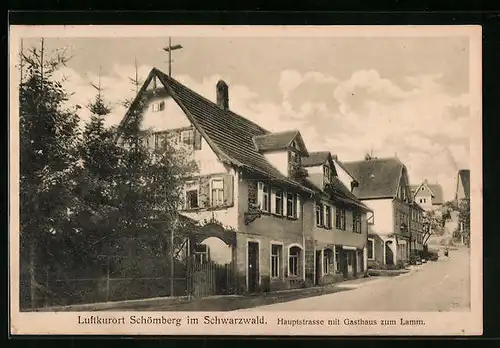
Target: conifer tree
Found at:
48, 136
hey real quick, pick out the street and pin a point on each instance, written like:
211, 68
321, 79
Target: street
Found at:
442, 285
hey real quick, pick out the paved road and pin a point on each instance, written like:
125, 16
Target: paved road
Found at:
436, 286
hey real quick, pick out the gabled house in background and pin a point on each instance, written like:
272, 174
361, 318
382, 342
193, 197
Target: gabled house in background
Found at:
428, 196
383, 185
335, 224
251, 195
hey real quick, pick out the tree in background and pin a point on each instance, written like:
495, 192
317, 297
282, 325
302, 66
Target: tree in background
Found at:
48, 151
464, 220
433, 225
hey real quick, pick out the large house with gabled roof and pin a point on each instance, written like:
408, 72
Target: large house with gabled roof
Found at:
252, 192
428, 196
383, 185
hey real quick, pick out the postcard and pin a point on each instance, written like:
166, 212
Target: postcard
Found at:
245, 180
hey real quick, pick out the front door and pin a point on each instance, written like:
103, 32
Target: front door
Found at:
389, 256
319, 270
354, 263
345, 263
253, 266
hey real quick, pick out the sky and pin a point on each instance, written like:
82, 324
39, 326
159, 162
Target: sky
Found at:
391, 96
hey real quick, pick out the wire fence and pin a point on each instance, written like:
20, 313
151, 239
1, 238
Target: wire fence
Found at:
109, 278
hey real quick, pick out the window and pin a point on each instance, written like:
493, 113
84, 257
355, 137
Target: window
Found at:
279, 202
156, 107
201, 253
328, 217
294, 261
337, 259
291, 206
217, 192
191, 192
326, 174
327, 261
265, 193
371, 248
276, 251
159, 139
263, 197
187, 137
356, 222
319, 214
340, 219
294, 157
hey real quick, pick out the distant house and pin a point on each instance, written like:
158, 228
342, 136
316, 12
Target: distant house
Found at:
383, 185
428, 196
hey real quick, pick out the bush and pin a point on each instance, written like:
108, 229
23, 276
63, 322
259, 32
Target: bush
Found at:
431, 255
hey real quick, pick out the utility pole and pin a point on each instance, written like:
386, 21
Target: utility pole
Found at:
169, 50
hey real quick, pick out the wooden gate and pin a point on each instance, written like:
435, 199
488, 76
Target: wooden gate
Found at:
209, 279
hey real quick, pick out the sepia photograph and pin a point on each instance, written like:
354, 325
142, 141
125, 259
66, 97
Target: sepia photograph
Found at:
188, 178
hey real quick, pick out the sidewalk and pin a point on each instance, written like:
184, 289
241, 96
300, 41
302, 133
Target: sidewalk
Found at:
214, 303
225, 302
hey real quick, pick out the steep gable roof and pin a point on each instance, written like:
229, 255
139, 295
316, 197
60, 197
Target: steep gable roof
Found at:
228, 134
279, 141
342, 166
464, 178
316, 158
377, 178
437, 192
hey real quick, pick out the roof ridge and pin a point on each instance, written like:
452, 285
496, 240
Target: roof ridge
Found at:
210, 101
373, 159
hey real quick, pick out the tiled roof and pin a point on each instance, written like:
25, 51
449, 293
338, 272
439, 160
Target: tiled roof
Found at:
315, 158
377, 178
340, 193
464, 177
229, 135
437, 190
275, 141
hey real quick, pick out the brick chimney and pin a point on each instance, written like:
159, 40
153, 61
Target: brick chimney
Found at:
222, 95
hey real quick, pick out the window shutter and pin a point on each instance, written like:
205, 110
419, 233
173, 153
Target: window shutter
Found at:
197, 140
325, 215
260, 194
273, 200
285, 203
204, 197
297, 204
228, 190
